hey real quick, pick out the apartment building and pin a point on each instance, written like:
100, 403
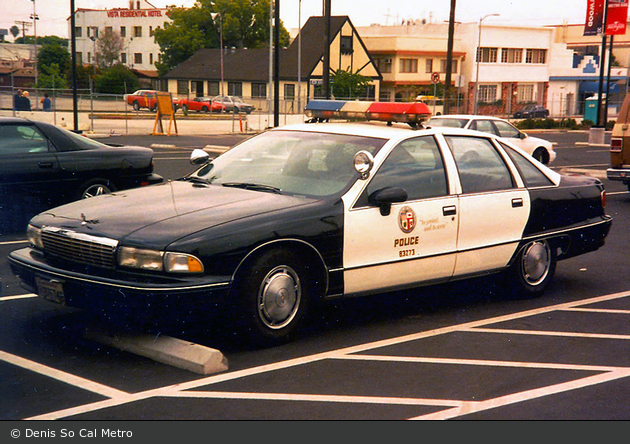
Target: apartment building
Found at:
135, 24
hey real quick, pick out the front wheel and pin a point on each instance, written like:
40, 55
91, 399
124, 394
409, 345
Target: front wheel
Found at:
541, 155
136, 106
273, 295
532, 270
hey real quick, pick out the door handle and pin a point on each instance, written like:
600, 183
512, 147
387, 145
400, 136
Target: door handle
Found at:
518, 202
451, 210
45, 164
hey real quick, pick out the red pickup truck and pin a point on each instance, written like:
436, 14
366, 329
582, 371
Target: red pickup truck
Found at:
143, 98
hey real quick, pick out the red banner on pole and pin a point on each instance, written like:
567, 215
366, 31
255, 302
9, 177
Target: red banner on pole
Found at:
617, 17
594, 23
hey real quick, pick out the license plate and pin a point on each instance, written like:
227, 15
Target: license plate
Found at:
51, 290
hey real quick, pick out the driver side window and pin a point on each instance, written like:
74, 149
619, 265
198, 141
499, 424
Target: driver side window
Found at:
415, 165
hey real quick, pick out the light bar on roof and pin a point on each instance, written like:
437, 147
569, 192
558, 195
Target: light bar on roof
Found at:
412, 113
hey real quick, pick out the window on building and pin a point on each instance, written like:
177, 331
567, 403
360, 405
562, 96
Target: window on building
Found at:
150, 31
453, 66
123, 58
235, 88
346, 44
512, 55
385, 96
137, 31
289, 91
123, 31
182, 87
109, 29
259, 90
92, 31
213, 88
408, 65
89, 57
150, 58
137, 58
487, 93
78, 31
428, 67
79, 57
384, 64
487, 55
537, 56
525, 93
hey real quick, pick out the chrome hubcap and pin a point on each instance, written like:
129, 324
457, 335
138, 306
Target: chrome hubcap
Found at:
279, 297
536, 262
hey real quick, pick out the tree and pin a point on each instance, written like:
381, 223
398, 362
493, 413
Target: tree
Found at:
15, 31
51, 76
110, 44
53, 54
245, 24
117, 80
346, 84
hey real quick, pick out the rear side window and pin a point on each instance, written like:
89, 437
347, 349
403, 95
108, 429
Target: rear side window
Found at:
481, 168
21, 139
531, 175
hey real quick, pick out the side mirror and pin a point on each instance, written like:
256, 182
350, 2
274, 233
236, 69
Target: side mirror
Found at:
199, 157
385, 197
522, 136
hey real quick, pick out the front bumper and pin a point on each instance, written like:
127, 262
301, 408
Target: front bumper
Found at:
179, 299
622, 174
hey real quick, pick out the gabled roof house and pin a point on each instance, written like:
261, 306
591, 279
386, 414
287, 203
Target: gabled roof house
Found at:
246, 72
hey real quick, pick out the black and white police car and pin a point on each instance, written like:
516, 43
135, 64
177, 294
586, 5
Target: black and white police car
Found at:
316, 211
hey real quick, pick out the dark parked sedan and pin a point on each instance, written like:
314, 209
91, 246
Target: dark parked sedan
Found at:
531, 112
42, 165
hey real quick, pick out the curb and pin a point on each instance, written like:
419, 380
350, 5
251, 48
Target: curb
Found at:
165, 349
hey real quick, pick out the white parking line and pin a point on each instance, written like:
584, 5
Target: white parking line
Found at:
459, 407
19, 296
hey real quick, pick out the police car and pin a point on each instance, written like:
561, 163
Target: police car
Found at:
312, 212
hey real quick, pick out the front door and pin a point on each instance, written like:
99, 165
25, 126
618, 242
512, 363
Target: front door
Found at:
415, 241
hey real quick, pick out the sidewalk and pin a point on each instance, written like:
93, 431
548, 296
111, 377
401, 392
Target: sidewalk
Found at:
144, 122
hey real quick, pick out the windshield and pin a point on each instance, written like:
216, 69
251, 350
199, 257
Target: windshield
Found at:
291, 162
449, 122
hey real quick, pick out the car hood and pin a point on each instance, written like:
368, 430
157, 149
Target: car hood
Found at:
165, 212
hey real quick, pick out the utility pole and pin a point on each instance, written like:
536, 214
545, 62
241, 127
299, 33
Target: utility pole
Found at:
449, 57
24, 25
35, 17
326, 64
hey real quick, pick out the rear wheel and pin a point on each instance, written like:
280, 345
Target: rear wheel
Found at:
184, 109
136, 106
532, 270
94, 188
273, 294
204, 109
541, 155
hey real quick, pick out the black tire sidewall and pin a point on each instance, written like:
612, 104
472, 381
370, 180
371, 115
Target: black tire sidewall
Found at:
247, 288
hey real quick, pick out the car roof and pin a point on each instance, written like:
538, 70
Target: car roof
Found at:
465, 116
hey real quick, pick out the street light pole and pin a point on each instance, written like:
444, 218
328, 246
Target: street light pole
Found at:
35, 18
478, 57
214, 15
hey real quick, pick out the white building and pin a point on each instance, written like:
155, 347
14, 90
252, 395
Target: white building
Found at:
134, 24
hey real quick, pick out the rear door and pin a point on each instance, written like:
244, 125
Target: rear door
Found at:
493, 208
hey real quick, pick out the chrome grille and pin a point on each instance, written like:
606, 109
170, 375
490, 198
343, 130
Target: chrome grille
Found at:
78, 247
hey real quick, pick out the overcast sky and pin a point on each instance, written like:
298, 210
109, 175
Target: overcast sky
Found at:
53, 14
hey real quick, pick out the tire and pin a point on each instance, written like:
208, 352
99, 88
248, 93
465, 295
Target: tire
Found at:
236, 110
184, 109
136, 106
95, 187
204, 109
532, 270
273, 295
541, 155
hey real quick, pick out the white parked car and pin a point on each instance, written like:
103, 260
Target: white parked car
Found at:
539, 149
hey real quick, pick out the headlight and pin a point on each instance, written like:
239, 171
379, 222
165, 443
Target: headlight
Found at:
34, 235
159, 260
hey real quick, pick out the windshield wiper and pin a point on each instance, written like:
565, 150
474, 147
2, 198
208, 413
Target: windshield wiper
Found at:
252, 186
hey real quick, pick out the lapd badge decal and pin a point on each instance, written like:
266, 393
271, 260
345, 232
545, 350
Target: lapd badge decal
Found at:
407, 220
